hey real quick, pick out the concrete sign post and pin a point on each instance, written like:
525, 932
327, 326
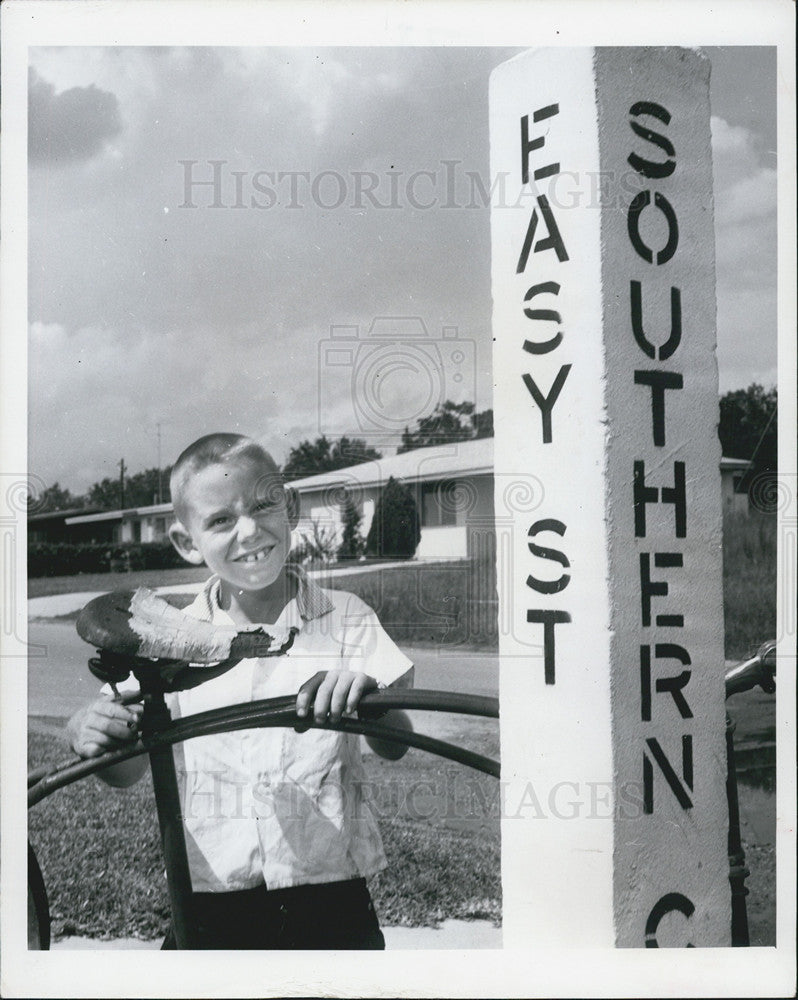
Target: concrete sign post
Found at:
615, 817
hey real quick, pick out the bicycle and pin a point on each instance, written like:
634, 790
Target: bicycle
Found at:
158, 732
103, 623
757, 671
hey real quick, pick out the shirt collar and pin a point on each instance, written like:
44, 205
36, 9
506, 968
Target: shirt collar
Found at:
312, 602
311, 599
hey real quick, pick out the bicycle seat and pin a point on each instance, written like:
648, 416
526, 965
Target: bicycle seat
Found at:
138, 630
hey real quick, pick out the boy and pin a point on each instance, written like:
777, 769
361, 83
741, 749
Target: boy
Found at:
279, 839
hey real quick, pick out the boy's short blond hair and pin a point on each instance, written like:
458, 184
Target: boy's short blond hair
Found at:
212, 449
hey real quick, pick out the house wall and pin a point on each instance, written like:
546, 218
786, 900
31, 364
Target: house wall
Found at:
468, 501
55, 530
453, 512
92, 534
443, 543
154, 529
145, 528
734, 502
316, 505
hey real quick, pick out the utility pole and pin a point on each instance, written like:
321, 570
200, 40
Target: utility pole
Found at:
160, 486
121, 484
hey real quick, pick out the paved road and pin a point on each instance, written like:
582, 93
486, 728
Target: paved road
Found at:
458, 934
59, 681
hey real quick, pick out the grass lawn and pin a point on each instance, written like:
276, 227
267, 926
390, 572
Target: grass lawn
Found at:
449, 604
45, 586
749, 582
99, 848
100, 853
453, 604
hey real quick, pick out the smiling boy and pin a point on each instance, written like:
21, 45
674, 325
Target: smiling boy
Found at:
279, 836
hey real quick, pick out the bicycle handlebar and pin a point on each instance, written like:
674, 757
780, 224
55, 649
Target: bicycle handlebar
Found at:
278, 712
758, 671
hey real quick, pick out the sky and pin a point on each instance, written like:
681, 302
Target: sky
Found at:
231, 239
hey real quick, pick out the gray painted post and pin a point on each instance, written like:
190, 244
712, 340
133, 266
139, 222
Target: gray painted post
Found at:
606, 390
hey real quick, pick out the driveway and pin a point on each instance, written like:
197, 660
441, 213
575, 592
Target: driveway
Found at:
59, 681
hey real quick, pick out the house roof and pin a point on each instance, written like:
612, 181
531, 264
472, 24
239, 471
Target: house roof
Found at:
463, 458
734, 463
58, 515
118, 515
446, 461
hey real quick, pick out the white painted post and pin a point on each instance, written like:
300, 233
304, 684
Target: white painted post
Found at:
606, 391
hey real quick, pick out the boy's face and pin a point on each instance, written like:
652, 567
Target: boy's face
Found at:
238, 522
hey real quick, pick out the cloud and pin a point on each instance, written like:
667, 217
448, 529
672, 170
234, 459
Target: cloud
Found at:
210, 318
73, 125
730, 139
750, 198
97, 395
744, 187
286, 273
745, 236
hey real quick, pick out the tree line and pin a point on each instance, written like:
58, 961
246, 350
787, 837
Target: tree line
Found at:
747, 429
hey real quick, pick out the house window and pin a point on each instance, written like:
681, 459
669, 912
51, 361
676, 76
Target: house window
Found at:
737, 481
137, 531
438, 505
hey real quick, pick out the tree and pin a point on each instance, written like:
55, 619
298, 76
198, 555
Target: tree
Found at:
309, 458
54, 498
395, 530
448, 422
105, 494
483, 424
352, 451
748, 428
352, 543
141, 490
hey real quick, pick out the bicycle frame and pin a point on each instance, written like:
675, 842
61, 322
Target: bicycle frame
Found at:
159, 732
757, 671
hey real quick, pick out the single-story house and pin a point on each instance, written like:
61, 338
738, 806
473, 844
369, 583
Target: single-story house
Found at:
732, 473
50, 525
134, 524
453, 486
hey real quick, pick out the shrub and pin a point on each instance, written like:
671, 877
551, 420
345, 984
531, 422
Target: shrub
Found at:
395, 530
315, 548
68, 559
352, 543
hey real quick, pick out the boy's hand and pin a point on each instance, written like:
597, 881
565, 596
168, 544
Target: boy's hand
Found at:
103, 725
333, 693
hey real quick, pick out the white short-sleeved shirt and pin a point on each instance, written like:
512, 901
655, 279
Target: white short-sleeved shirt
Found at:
275, 806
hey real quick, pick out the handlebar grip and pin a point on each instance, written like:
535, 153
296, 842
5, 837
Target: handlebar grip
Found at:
758, 671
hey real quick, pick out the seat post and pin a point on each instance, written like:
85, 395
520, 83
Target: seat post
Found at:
167, 799
738, 872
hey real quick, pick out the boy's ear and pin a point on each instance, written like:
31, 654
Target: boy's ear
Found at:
184, 543
292, 503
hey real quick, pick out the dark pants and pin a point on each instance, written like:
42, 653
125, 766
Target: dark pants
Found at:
333, 915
